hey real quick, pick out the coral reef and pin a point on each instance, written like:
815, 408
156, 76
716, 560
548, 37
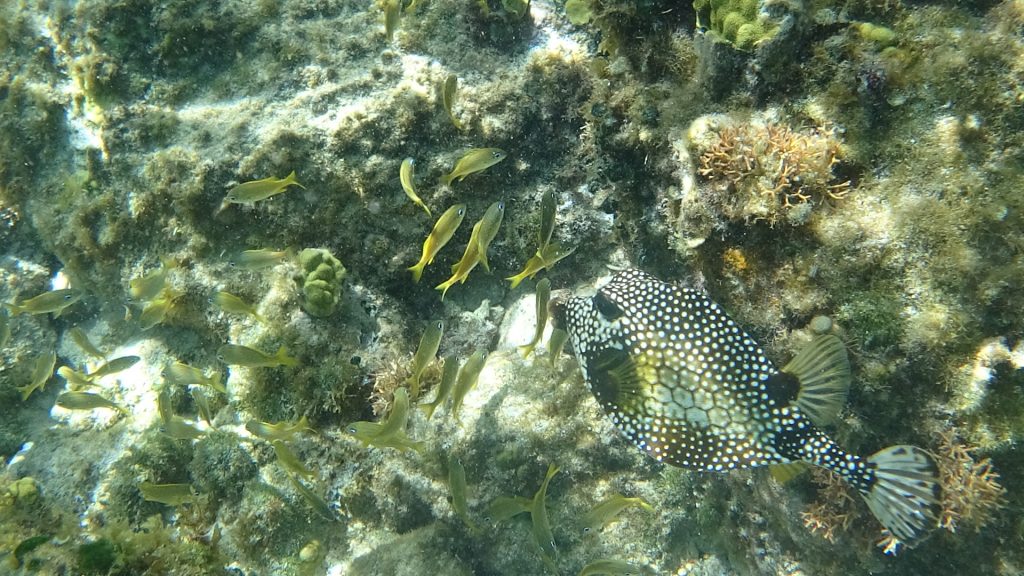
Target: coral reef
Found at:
855, 162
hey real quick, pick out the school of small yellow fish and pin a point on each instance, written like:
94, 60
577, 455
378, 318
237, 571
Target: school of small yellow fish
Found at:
153, 296
678, 377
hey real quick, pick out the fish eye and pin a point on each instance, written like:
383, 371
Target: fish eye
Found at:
440, 325
610, 310
351, 429
462, 211
67, 297
220, 357
501, 205
497, 154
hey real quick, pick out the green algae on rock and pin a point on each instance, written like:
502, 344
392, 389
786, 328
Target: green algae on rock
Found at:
320, 281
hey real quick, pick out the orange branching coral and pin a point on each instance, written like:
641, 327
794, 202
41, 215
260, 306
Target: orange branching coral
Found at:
732, 157
971, 491
834, 511
772, 160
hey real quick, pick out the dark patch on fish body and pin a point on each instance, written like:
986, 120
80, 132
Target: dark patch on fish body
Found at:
783, 388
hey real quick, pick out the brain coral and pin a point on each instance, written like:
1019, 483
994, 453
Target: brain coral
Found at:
739, 22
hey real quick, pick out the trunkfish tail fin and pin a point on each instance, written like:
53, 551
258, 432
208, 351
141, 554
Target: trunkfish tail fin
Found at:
905, 493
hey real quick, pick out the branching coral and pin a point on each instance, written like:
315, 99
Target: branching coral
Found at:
774, 161
386, 379
971, 492
834, 511
395, 373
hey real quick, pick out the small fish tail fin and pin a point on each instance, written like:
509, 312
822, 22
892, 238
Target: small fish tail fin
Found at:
444, 286
823, 371
527, 349
293, 179
14, 308
417, 446
905, 493
552, 470
505, 507
446, 179
169, 262
25, 391
217, 383
516, 280
283, 357
483, 261
413, 383
428, 409
417, 271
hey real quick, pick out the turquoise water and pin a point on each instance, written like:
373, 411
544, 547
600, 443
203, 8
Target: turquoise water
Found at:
851, 169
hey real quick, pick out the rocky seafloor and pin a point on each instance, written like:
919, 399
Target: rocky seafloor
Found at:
855, 165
